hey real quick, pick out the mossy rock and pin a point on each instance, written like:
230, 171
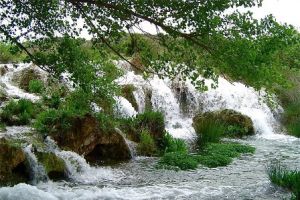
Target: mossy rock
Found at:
127, 93
13, 163
3, 70
237, 124
3, 94
55, 167
26, 75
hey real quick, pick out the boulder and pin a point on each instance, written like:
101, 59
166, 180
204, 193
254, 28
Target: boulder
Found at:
13, 164
237, 124
55, 167
24, 76
86, 137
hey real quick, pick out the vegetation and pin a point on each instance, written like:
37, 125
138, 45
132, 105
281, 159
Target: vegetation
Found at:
221, 154
2, 126
177, 160
7, 54
146, 145
170, 144
36, 86
19, 112
282, 177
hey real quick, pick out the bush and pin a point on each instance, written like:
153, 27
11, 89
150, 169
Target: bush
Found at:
106, 122
177, 160
147, 145
36, 86
170, 144
18, 112
52, 120
78, 103
208, 130
282, 177
153, 122
2, 127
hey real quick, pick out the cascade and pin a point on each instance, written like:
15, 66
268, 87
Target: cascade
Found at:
78, 168
38, 172
168, 97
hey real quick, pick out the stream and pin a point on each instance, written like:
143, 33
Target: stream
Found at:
245, 178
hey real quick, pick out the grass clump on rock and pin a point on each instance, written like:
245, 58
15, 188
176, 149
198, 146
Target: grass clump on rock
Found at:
18, 112
147, 145
36, 86
287, 179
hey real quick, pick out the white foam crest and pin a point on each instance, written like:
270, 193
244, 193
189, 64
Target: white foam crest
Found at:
15, 131
124, 108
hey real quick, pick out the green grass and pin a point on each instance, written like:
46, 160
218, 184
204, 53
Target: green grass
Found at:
212, 155
18, 112
147, 146
208, 130
222, 154
36, 86
2, 126
170, 144
287, 179
177, 160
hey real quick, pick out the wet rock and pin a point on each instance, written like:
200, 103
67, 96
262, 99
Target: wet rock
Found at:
127, 93
3, 70
237, 124
55, 167
85, 137
13, 166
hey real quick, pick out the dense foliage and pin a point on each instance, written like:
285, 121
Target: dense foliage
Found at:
194, 38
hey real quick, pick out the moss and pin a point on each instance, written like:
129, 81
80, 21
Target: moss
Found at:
36, 86
54, 166
127, 93
13, 167
25, 76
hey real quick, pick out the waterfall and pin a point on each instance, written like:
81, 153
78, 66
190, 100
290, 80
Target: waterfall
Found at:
79, 170
38, 172
180, 101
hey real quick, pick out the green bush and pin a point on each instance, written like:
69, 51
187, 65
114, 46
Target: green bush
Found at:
78, 103
52, 120
36, 86
177, 160
153, 122
106, 122
170, 144
147, 145
18, 112
292, 118
282, 177
208, 130
52, 101
7, 54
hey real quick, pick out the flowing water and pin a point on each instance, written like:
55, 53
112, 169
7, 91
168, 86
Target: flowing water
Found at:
245, 178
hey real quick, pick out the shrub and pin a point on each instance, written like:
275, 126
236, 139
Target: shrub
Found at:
52, 120
106, 122
78, 103
282, 177
208, 130
52, 101
177, 160
18, 112
153, 122
147, 145
36, 86
170, 144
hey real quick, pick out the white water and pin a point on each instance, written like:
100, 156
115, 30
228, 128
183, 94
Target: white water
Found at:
245, 178
11, 88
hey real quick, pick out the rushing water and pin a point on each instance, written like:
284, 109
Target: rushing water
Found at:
245, 178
